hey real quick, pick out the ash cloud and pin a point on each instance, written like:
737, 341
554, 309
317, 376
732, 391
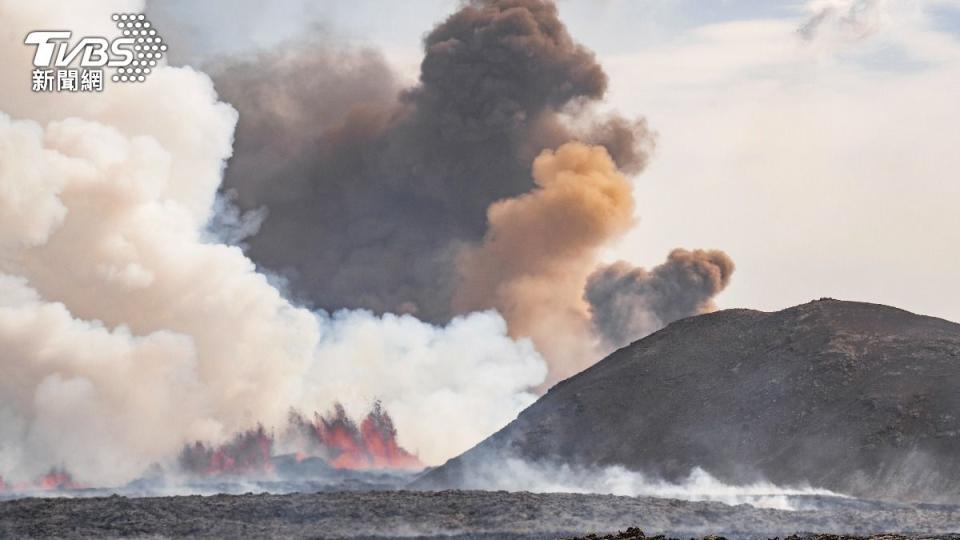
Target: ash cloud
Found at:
628, 303
372, 189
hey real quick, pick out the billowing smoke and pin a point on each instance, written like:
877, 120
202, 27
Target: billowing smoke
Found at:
127, 332
130, 325
379, 197
542, 245
372, 189
628, 303
537, 264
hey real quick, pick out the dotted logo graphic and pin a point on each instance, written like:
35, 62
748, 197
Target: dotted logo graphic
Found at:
148, 47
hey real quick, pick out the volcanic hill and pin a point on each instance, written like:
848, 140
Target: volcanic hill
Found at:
862, 399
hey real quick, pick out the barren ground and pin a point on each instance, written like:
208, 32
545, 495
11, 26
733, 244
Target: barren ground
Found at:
452, 514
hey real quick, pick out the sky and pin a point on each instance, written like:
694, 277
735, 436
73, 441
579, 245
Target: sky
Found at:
823, 166
815, 142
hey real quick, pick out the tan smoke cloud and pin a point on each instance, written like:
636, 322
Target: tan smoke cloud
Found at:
540, 248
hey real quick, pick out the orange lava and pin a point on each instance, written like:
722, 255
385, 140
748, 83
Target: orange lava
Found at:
372, 446
334, 438
56, 479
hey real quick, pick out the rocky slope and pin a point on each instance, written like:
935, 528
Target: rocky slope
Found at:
858, 398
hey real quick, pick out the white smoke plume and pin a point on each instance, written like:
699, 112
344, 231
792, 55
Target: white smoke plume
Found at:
125, 332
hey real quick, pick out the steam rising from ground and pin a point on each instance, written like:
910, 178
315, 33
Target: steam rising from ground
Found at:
514, 474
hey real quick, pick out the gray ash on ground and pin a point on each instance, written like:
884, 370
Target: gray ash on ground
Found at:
450, 514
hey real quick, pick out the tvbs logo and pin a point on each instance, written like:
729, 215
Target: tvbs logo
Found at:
62, 66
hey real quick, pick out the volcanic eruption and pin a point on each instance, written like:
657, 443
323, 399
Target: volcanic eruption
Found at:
334, 437
131, 330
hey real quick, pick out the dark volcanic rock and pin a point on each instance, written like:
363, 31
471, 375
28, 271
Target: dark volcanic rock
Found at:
858, 398
634, 533
462, 515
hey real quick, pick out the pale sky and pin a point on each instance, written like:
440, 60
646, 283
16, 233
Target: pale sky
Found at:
825, 162
824, 167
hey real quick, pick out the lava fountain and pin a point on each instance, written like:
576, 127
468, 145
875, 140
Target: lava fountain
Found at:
335, 438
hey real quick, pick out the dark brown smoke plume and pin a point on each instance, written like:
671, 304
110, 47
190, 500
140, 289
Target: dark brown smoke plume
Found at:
433, 200
371, 191
628, 303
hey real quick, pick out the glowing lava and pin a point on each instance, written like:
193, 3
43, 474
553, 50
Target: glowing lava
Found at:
372, 446
56, 479
335, 438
